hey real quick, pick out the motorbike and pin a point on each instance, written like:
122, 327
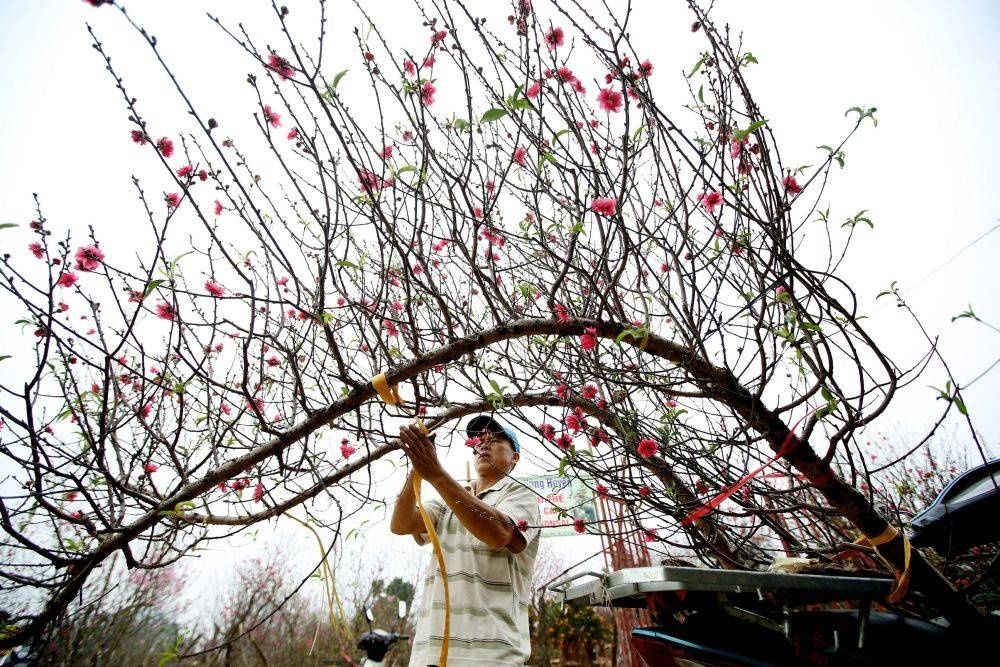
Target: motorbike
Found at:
728, 618
376, 642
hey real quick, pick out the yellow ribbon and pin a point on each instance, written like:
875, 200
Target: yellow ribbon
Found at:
390, 395
902, 576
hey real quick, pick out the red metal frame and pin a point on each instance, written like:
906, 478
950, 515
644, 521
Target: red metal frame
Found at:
623, 547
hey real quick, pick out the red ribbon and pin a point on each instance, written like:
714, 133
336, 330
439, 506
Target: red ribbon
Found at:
789, 445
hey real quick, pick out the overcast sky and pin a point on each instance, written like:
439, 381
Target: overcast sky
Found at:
929, 174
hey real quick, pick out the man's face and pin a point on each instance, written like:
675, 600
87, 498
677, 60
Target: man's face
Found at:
494, 451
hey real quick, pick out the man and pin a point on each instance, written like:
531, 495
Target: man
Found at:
489, 534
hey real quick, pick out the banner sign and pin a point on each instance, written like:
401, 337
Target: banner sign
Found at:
569, 493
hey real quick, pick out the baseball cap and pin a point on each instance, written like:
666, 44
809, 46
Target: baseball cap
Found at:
477, 425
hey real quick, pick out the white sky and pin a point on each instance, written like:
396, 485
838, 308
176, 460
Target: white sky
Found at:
929, 174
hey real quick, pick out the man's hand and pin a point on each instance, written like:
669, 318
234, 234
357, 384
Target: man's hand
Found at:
420, 449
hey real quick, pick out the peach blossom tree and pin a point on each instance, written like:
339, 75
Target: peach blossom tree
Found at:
507, 217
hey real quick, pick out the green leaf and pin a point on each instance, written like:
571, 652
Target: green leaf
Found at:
749, 59
753, 127
701, 94
8, 225
336, 79
523, 103
558, 134
969, 313
403, 170
546, 157
960, 404
4, 356
150, 286
697, 66
460, 123
492, 115
348, 264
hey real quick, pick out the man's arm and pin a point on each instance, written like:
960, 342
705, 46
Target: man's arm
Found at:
490, 526
406, 518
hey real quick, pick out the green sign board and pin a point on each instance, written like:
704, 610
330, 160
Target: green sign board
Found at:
557, 493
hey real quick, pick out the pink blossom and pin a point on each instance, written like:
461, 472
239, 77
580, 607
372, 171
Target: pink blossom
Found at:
226, 409
293, 133
561, 313
588, 341
472, 442
671, 403
386, 152
165, 311
67, 279
711, 200
564, 441
648, 447
214, 288
280, 66
439, 36
346, 449
579, 526
429, 61
173, 200
258, 492
272, 117
139, 137
218, 207
644, 491
602, 490
792, 186
548, 432
369, 181
589, 391
533, 90
88, 258
282, 281
604, 206
477, 212
646, 69
165, 146
610, 100
522, 525
185, 171
409, 67
648, 535
144, 411
573, 422
36, 250
427, 91
150, 468
599, 436
407, 136
202, 175
554, 37
520, 156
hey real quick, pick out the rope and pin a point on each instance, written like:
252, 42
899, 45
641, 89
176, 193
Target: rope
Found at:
390, 396
902, 576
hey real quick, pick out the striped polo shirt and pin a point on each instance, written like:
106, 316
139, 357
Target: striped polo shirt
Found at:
490, 589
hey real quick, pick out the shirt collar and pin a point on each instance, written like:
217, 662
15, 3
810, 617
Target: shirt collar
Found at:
496, 487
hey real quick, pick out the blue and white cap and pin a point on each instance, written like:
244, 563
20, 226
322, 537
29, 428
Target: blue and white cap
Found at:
482, 423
